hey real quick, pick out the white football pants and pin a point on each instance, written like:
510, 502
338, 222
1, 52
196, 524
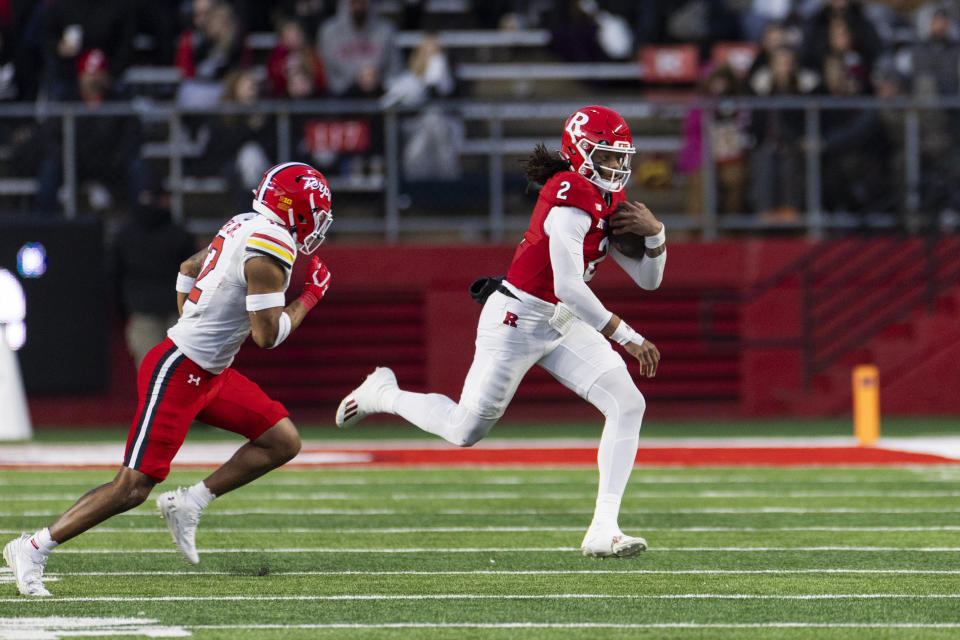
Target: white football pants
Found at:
512, 336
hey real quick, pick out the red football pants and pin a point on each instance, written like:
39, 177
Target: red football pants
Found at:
172, 391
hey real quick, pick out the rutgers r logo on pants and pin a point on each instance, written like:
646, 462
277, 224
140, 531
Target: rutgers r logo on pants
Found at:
511, 319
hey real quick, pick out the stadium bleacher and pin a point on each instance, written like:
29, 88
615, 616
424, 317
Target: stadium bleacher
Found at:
517, 62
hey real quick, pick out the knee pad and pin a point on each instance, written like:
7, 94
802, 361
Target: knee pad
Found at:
615, 394
635, 406
472, 429
484, 407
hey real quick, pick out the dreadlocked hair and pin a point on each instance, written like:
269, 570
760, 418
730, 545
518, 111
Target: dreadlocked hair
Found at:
542, 164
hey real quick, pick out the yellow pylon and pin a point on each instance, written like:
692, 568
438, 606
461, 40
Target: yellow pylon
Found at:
866, 404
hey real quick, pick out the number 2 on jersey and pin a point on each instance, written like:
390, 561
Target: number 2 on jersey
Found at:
213, 254
562, 192
591, 269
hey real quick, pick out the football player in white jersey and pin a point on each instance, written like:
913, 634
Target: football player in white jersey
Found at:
232, 289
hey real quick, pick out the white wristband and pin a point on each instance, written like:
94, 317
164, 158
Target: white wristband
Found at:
283, 331
261, 301
652, 242
184, 283
624, 334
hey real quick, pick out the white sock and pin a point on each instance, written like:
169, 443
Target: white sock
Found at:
428, 411
389, 399
615, 394
200, 496
41, 543
607, 510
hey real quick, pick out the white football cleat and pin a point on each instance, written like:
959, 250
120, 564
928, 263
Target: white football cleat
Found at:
182, 520
611, 544
27, 569
367, 398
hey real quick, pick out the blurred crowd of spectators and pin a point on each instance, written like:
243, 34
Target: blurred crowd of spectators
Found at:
834, 48
80, 49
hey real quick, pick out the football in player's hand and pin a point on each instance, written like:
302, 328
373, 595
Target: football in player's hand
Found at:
629, 244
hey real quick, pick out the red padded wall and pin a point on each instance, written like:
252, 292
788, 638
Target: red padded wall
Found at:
408, 307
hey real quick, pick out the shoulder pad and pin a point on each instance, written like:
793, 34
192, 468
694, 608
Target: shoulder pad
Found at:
570, 189
273, 241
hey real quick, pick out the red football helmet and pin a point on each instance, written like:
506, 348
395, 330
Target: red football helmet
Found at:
598, 128
297, 196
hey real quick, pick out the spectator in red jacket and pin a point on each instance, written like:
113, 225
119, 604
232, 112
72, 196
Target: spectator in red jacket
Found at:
294, 69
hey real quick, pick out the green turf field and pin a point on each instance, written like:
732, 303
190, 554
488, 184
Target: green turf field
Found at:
492, 553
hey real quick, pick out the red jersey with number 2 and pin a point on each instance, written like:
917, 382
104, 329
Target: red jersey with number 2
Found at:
530, 270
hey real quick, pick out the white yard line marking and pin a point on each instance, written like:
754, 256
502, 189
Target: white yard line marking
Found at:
824, 548
642, 478
152, 512
146, 512
530, 572
506, 549
320, 530
54, 627
711, 494
747, 510
484, 596
798, 510
775, 529
592, 625
939, 477
708, 495
416, 530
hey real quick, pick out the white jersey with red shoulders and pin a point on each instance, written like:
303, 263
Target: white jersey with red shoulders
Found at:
530, 270
215, 322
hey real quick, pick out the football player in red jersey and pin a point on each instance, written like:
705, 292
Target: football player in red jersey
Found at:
232, 289
544, 313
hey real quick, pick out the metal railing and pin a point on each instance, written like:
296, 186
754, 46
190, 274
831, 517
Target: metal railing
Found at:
495, 145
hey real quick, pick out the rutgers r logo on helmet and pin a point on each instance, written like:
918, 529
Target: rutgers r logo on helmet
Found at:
596, 142
576, 122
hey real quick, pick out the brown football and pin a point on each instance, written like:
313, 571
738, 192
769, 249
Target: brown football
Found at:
629, 244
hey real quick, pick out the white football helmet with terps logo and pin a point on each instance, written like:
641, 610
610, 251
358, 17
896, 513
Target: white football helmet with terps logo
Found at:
297, 196
598, 128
